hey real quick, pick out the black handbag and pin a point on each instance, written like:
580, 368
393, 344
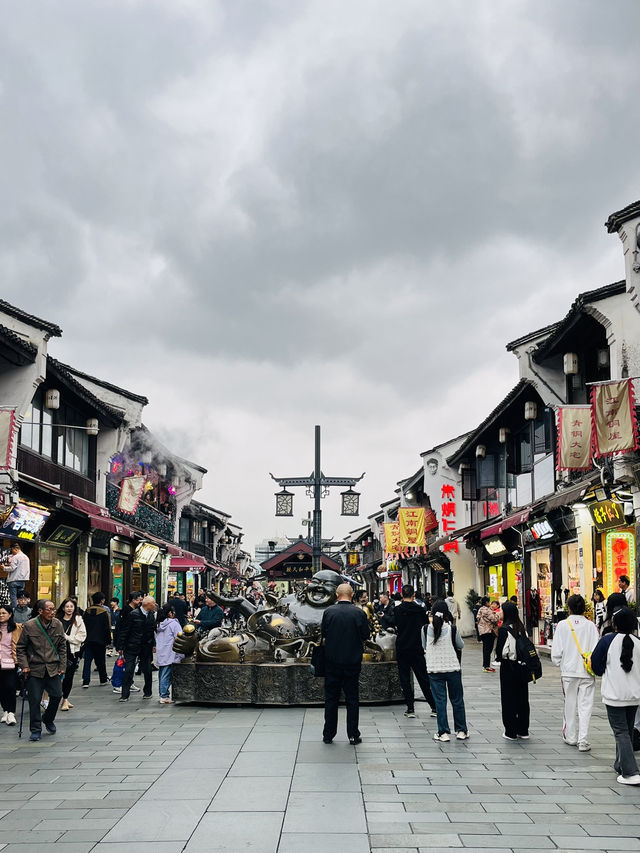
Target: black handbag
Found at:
317, 662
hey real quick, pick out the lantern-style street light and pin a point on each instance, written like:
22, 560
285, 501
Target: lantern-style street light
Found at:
317, 486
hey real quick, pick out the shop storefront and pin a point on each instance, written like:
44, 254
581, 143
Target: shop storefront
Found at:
147, 568
618, 549
23, 523
184, 574
56, 575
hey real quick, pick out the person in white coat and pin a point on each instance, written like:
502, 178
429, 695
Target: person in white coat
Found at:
574, 637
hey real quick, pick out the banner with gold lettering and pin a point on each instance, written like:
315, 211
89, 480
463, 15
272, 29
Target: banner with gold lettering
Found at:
391, 538
412, 523
614, 416
574, 438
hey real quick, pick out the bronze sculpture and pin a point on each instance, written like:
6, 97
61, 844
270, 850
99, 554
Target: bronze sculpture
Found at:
282, 632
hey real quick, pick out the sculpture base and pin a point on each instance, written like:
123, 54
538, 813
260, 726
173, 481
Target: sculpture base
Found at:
274, 684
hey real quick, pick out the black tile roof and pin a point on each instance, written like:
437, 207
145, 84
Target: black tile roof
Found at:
114, 417
138, 398
586, 298
618, 218
23, 352
531, 336
464, 448
30, 319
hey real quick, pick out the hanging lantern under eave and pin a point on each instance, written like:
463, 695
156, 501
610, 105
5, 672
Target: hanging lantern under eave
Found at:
284, 503
350, 502
52, 399
503, 434
92, 426
530, 410
162, 470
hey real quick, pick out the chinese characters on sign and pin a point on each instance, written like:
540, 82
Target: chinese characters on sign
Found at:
412, 535
391, 538
607, 515
24, 522
621, 559
353, 558
614, 413
130, 494
448, 516
574, 438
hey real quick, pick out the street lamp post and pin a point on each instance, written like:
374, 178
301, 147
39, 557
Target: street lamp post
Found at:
317, 486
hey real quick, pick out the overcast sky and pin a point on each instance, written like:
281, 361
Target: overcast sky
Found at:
267, 215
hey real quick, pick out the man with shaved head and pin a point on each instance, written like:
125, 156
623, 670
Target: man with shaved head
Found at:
136, 640
344, 631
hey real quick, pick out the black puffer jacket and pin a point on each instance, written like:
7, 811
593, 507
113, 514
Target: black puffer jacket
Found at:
98, 622
137, 635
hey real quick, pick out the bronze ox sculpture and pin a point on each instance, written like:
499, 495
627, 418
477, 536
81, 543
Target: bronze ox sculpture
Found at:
283, 631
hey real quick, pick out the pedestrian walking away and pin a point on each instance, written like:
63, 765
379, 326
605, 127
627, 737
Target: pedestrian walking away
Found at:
137, 640
344, 630
454, 607
514, 677
617, 659
75, 633
444, 652
487, 627
97, 620
9, 635
410, 619
167, 629
575, 637
41, 653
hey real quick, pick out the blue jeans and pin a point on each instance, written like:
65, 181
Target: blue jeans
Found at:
164, 681
13, 587
440, 683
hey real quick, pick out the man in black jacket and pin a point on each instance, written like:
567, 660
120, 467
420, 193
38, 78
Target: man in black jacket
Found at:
137, 640
410, 619
97, 620
134, 599
386, 612
344, 630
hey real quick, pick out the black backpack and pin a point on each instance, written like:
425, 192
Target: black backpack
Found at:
527, 655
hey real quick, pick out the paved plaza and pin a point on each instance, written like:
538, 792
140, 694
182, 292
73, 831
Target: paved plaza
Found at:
162, 779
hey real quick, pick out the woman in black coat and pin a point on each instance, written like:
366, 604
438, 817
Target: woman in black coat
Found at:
514, 677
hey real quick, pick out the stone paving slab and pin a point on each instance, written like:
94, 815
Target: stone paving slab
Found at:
171, 779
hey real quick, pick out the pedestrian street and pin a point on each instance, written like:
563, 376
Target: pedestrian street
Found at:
166, 779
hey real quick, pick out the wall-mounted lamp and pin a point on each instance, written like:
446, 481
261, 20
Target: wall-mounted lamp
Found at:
530, 410
52, 399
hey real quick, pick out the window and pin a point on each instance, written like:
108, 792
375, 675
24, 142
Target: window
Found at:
196, 530
36, 432
544, 482
486, 469
184, 531
469, 491
72, 444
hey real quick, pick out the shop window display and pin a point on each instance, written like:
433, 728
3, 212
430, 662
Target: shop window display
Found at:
54, 574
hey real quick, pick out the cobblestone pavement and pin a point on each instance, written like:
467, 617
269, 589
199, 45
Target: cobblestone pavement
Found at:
169, 779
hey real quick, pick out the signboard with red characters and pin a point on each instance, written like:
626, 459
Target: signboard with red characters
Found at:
448, 516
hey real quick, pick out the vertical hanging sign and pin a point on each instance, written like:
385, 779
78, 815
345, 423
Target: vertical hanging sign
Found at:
391, 538
130, 494
412, 523
614, 416
574, 438
448, 516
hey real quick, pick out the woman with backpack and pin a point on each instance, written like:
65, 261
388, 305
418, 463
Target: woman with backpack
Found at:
514, 676
617, 659
444, 651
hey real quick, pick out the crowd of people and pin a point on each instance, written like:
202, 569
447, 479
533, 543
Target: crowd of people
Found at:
41, 649
429, 647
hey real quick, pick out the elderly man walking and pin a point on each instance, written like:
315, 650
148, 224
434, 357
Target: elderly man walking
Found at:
136, 639
42, 656
344, 630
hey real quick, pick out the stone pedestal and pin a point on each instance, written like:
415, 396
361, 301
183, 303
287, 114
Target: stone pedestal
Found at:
274, 684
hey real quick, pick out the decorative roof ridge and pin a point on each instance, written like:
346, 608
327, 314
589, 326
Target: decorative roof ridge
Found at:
110, 412
138, 398
27, 347
618, 218
30, 319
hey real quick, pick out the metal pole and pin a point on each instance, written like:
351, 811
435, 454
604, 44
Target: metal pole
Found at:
317, 512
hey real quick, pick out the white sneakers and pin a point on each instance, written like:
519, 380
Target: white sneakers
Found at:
3, 718
443, 738
462, 735
629, 780
165, 701
11, 719
584, 746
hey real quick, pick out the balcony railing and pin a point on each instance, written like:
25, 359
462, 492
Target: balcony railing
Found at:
44, 469
146, 517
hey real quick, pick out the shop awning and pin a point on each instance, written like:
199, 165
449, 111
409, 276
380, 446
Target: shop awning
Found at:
192, 563
505, 524
565, 497
99, 518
